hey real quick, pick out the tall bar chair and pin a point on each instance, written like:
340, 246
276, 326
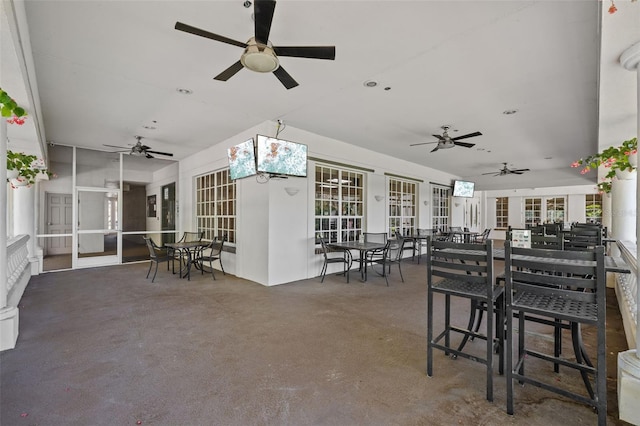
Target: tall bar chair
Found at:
559, 286
464, 270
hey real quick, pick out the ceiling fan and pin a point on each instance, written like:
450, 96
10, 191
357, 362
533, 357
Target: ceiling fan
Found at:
507, 171
259, 54
139, 149
445, 141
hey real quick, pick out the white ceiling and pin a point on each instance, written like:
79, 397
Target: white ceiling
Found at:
106, 69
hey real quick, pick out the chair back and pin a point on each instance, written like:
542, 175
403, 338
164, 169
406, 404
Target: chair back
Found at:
462, 262
400, 245
480, 239
426, 232
549, 242
375, 237
325, 248
153, 248
190, 237
559, 283
582, 238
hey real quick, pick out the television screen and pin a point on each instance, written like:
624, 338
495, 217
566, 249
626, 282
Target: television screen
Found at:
281, 157
462, 188
242, 160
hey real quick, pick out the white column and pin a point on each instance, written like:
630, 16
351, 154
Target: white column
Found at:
628, 361
623, 209
3, 214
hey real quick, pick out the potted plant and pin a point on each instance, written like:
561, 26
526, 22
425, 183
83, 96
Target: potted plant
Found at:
618, 159
22, 169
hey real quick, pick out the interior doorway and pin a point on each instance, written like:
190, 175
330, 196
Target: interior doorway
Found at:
168, 219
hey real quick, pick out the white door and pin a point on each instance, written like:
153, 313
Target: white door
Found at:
59, 221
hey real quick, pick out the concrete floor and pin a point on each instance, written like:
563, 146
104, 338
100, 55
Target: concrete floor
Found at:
105, 346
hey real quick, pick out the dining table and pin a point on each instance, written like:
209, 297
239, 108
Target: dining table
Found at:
362, 247
188, 248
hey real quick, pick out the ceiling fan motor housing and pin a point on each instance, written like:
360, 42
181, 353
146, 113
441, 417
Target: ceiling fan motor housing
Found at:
259, 57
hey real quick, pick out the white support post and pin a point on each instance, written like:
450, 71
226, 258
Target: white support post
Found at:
628, 361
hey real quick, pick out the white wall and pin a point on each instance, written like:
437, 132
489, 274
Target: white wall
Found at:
575, 206
275, 231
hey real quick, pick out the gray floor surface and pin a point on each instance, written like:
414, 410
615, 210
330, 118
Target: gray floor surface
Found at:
105, 346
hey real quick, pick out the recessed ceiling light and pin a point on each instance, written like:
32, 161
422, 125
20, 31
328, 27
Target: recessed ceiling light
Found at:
184, 91
387, 88
370, 83
548, 158
149, 127
510, 111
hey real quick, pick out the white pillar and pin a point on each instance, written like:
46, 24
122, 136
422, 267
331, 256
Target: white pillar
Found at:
3, 214
628, 361
623, 209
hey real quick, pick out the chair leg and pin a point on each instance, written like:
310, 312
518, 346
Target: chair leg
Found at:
323, 271
155, 272
489, 352
578, 350
150, 265
429, 332
509, 350
211, 266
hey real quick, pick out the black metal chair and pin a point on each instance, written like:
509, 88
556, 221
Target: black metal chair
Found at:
181, 255
156, 256
464, 270
345, 259
390, 255
210, 253
406, 244
582, 238
482, 237
559, 287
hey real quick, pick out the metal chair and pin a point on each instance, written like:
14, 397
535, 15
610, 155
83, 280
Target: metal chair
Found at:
210, 253
346, 260
558, 286
156, 255
464, 270
390, 255
181, 255
406, 244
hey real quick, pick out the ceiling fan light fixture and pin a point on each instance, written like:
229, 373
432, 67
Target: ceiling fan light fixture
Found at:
259, 58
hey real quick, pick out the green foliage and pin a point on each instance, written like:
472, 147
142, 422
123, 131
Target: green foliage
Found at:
9, 107
23, 163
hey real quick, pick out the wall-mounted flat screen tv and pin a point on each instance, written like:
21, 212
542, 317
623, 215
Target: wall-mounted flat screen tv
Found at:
463, 188
281, 157
242, 160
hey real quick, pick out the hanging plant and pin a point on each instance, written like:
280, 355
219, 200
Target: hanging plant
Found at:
622, 158
9, 107
25, 168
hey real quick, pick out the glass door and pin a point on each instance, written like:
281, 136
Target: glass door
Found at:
98, 242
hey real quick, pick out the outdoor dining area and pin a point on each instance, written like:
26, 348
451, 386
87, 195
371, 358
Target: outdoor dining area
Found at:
189, 251
540, 278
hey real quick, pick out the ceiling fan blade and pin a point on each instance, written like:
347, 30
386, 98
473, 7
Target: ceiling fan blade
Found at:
144, 147
285, 78
491, 173
263, 15
521, 170
229, 72
436, 148
120, 147
470, 135
422, 143
311, 52
146, 154
465, 144
514, 172
202, 33
168, 154
439, 137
